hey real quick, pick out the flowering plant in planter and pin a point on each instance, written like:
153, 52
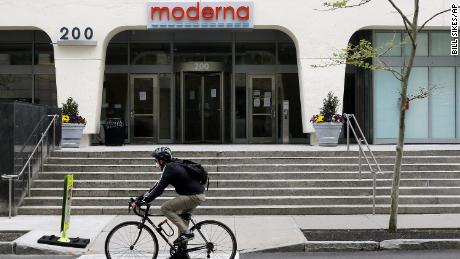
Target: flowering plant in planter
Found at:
328, 112
70, 112
328, 124
72, 124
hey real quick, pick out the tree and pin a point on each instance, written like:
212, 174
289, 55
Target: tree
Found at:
363, 54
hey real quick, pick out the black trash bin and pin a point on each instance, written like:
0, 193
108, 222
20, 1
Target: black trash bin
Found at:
114, 132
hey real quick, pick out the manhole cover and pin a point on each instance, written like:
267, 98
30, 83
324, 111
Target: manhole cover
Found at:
8, 236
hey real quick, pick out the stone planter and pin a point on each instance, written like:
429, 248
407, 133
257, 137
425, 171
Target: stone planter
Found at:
328, 133
71, 134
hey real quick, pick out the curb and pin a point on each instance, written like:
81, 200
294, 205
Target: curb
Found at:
13, 248
7, 248
394, 244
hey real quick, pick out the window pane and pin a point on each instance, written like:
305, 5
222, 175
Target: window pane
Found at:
255, 53
117, 54
389, 42
44, 54
165, 106
422, 45
240, 105
16, 87
417, 115
287, 54
386, 95
116, 96
443, 102
150, 54
216, 52
440, 44
45, 90
16, 54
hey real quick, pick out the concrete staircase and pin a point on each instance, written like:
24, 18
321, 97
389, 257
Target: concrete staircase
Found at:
249, 183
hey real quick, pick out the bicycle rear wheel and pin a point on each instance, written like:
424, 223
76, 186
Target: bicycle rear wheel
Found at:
130, 240
213, 239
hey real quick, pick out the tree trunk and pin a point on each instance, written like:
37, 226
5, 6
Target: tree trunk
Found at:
393, 224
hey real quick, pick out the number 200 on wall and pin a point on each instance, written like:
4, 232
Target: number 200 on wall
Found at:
75, 33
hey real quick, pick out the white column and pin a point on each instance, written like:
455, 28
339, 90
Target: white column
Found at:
315, 84
82, 79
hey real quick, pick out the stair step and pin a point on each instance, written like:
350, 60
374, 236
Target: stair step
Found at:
256, 200
253, 210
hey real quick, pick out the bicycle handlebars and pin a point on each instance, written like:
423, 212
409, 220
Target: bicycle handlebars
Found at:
138, 210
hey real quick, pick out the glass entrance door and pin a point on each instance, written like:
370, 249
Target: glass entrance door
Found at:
263, 109
202, 99
143, 103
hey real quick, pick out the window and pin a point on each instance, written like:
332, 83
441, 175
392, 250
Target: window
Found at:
287, 54
389, 42
165, 106
117, 54
44, 54
255, 53
386, 94
16, 54
215, 52
16, 87
150, 54
240, 106
440, 44
45, 90
422, 45
443, 102
417, 117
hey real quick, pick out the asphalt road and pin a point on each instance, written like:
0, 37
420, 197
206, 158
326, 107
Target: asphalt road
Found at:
445, 254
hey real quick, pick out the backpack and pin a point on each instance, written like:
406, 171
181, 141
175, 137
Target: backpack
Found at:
195, 170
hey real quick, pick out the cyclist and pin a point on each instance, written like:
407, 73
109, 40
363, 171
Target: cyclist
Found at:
190, 191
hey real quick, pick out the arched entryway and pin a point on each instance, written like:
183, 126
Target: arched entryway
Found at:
204, 86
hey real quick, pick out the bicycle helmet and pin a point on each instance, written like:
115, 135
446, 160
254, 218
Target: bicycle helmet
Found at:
162, 153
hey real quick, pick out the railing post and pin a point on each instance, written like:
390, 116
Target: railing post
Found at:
28, 182
360, 160
41, 155
10, 193
348, 132
374, 191
54, 133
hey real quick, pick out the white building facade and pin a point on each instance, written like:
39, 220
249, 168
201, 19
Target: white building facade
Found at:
222, 84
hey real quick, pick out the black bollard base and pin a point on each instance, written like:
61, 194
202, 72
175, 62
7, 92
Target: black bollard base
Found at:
74, 242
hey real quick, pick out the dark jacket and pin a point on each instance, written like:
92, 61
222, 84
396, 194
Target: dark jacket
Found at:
177, 176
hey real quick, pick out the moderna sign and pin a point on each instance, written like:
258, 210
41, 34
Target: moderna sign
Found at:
183, 15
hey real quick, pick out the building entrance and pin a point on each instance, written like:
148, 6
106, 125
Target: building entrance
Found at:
202, 107
202, 101
263, 109
143, 112
203, 86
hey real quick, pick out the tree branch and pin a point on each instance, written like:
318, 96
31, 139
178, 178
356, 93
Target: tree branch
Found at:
404, 17
343, 4
432, 17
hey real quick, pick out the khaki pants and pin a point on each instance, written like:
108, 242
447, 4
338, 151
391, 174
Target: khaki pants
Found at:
179, 205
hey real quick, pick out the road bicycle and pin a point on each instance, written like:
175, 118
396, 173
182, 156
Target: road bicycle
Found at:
133, 239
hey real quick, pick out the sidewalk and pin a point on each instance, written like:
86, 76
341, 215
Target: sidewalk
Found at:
254, 233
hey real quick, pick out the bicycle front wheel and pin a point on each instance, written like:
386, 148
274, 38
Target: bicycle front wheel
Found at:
213, 239
131, 240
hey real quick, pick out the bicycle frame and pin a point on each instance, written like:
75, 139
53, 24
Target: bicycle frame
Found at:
145, 218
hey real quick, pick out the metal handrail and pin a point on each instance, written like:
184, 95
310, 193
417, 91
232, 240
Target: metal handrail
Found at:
11, 177
359, 140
